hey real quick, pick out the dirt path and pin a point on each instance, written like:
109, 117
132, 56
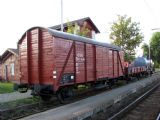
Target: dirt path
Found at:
13, 96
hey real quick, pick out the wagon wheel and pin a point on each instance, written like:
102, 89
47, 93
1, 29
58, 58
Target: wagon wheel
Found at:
64, 95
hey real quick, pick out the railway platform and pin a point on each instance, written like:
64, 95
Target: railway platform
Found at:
110, 101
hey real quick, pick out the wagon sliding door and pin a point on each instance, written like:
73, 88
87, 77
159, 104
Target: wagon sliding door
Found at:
90, 63
114, 64
70, 61
120, 63
102, 62
110, 64
80, 62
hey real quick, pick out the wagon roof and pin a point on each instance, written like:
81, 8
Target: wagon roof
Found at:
81, 39
73, 37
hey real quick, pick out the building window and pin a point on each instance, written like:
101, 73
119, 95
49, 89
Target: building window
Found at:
12, 69
93, 34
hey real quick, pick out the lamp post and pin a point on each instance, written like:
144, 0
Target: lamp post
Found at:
149, 47
149, 51
62, 15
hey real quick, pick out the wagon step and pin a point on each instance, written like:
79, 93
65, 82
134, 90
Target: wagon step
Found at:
21, 88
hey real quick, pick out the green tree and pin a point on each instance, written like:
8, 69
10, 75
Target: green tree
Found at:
155, 48
145, 48
126, 34
71, 28
75, 29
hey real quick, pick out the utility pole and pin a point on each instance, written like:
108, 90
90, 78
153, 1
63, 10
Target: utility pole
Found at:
149, 47
62, 15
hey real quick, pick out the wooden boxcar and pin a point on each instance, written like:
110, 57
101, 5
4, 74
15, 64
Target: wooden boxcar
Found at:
51, 61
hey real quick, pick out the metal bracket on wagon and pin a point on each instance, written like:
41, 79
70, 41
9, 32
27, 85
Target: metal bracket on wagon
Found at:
67, 78
22, 88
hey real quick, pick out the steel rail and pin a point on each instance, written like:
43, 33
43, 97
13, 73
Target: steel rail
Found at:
121, 113
158, 118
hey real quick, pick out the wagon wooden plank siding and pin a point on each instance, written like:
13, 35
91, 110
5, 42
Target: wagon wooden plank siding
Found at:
0, 68
36, 47
10, 65
50, 59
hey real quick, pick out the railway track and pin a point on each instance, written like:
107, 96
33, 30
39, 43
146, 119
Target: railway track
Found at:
25, 110
30, 109
146, 107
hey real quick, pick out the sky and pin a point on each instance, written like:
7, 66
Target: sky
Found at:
16, 16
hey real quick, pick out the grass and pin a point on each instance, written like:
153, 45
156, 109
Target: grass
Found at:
6, 88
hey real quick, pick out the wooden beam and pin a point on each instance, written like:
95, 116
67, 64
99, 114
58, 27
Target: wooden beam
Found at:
85, 62
39, 55
28, 55
94, 62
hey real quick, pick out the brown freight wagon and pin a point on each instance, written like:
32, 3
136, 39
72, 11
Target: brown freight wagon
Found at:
53, 62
